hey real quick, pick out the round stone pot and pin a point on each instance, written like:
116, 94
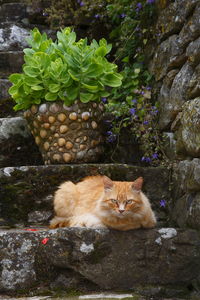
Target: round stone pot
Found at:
67, 134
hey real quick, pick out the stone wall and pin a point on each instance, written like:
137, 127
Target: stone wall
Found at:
176, 67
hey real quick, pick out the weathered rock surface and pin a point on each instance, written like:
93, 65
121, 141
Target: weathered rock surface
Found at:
26, 192
169, 55
100, 257
172, 19
12, 11
187, 194
4, 86
192, 52
10, 62
178, 33
188, 135
15, 142
13, 37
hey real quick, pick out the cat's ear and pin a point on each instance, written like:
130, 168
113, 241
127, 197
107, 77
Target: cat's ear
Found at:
108, 184
137, 184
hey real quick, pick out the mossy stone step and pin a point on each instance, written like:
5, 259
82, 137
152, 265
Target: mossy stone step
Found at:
162, 261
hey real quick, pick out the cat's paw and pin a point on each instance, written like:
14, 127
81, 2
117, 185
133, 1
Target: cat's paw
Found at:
58, 222
87, 220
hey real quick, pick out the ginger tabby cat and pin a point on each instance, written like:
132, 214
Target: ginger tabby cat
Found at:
99, 202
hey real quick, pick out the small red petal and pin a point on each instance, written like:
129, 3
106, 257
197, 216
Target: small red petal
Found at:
30, 229
44, 241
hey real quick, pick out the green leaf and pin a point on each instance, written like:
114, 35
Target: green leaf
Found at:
93, 88
15, 78
31, 81
101, 51
104, 94
13, 90
37, 87
112, 80
31, 71
126, 59
86, 97
93, 70
54, 88
51, 97
72, 92
73, 75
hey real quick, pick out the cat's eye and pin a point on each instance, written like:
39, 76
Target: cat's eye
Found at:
129, 201
113, 200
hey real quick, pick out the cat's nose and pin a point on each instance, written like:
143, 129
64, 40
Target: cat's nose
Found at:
121, 211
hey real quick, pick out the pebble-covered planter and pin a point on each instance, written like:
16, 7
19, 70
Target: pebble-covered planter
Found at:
67, 134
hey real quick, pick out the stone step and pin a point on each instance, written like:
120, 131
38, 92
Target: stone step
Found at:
26, 192
155, 263
13, 37
5, 84
10, 62
12, 11
16, 142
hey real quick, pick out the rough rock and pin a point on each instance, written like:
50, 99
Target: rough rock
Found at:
186, 195
139, 257
13, 126
169, 55
13, 37
193, 51
166, 109
4, 86
189, 132
12, 11
187, 176
172, 19
15, 142
24, 190
10, 62
169, 145
193, 89
179, 88
191, 29
186, 212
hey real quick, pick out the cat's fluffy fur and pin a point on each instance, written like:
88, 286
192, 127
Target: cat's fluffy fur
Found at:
97, 201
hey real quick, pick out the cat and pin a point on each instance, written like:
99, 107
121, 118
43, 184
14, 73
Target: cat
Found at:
99, 202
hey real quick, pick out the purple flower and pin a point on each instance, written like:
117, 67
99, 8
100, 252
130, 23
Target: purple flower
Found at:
134, 101
132, 111
104, 99
146, 122
150, 1
162, 203
97, 16
146, 159
148, 88
111, 138
155, 156
82, 3
109, 133
139, 5
123, 15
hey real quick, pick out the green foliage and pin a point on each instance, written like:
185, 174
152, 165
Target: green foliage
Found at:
132, 108
63, 70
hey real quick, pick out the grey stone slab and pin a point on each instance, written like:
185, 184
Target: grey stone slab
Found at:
105, 258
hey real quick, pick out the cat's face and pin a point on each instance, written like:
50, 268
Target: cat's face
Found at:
122, 198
